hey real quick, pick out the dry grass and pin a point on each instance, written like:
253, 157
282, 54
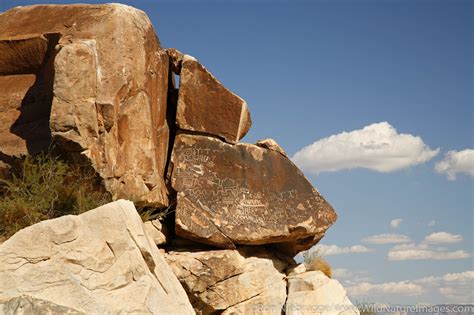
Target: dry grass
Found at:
45, 187
319, 264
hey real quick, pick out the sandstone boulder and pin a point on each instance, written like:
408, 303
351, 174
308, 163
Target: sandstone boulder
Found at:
312, 292
244, 194
205, 105
271, 144
156, 231
93, 79
100, 262
247, 281
26, 305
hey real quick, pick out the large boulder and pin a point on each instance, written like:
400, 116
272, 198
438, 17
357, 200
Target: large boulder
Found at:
100, 262
312, 292
244, 281
93, 79
204, 104
244, 194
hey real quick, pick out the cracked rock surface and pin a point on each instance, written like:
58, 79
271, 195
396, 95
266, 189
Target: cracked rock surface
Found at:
309, 291
98, 262
244, 281
244, 194
93, 79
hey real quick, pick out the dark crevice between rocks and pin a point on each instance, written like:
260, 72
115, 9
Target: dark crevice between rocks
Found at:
201, 133
171, 105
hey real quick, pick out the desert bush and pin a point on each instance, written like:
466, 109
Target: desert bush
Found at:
314, 261
45, 187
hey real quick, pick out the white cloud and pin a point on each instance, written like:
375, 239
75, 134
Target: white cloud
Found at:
455, 162
377, 147
395, 223
386, 239
328, 250
443, 238
407, 288
432, 223
423, 252
455, 287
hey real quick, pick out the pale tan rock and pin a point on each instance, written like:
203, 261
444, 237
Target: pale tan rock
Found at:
27, 305
244, 281
205, 105
107, 103
156, 231
312, 292
100, 262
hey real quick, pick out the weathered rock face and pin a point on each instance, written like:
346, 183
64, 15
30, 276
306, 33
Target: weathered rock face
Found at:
98, 262
247, 281
26, 305
94, 79
205, 105
312, 292
243, 194
156, 231
26, 80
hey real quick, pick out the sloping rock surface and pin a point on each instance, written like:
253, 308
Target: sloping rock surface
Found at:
94, 79
98, 262
312, 292
205, 105
26, 305
247, 281
243, 194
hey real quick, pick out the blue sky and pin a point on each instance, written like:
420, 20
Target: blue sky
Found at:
313, 69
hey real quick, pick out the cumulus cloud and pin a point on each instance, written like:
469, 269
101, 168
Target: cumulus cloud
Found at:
376, 147
455, 287
443, 238
423, 252
455, 162
395, 223
328, 250
386, 239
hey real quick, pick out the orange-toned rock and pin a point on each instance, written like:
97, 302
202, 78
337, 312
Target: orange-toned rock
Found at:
244, 194
98, 90
204, 104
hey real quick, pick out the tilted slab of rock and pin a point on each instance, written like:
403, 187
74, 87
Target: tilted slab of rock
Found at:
244, 194
97, 87
312, 292
100, 262
247, 281
204, 104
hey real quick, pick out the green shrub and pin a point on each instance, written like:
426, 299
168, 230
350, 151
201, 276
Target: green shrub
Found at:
42, 188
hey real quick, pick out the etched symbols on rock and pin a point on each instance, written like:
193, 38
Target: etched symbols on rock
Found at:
244, 193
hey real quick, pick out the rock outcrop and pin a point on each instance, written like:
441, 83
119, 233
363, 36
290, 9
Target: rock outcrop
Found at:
26, 305
204, 104
92, 83
312, 292
98, 262
93, 79
243, 194
240, 281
